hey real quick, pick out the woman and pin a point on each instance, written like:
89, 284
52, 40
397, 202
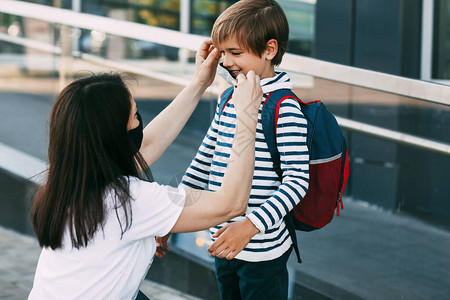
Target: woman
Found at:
94, 217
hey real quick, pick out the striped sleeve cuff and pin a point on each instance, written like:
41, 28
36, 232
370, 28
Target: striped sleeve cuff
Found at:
256, 220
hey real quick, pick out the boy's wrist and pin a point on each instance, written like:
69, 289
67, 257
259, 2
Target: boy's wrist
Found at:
251, 228
256, 222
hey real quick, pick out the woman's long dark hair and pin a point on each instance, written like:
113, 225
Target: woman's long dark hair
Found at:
89, 151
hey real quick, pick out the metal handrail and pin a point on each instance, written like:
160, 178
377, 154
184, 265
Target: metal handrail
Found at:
45, 47
412, 88
394, 136
349, 75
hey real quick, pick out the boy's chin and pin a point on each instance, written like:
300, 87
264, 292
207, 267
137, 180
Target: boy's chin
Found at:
235, 74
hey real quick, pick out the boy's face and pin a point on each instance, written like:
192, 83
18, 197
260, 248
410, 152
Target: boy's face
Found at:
238, 60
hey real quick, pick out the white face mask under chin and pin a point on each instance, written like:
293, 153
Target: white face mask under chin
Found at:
225, 74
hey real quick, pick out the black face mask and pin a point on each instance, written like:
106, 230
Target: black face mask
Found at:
136, 135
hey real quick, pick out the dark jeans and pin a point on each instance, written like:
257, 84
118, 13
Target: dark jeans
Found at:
238, 279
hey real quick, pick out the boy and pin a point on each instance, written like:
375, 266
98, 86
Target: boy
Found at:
252, 250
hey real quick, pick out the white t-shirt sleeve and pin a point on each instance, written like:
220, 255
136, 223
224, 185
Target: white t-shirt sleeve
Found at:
156, 208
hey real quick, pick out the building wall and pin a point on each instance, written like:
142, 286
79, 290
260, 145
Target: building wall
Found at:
382, 35
385, 36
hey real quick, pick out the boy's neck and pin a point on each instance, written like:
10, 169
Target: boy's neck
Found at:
269, 73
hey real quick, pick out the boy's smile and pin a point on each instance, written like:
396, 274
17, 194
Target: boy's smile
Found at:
238, 60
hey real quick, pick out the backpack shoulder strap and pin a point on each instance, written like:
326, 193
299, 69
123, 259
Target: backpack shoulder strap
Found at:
269, 118
224, 98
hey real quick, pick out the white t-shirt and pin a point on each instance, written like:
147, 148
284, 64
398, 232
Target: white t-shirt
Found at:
111, 267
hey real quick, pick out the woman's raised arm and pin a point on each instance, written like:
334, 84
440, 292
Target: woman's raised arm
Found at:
204, 209
166, 126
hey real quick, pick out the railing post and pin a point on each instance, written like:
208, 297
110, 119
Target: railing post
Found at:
185, 27
427, 39
76, 7
66, 55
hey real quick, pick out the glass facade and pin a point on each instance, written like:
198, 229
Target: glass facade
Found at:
166, 14
301, 19
204, 13
441, 49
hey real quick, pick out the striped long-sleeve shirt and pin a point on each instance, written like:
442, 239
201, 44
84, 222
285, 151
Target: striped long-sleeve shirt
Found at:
270, 200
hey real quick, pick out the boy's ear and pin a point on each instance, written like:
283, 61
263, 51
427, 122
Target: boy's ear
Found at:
271, 49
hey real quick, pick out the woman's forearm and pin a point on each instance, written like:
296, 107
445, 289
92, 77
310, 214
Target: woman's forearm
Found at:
238, 177
204, 209
165, 127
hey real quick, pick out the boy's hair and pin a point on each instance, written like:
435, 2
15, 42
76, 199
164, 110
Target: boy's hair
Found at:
253, 23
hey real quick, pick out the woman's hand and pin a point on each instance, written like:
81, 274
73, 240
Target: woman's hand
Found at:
247, 95
206, 60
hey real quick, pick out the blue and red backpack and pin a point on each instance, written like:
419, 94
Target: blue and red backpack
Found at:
328, 160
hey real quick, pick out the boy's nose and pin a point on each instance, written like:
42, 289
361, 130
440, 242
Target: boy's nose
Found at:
226, 60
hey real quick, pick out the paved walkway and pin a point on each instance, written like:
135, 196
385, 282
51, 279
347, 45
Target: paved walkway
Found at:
18, 258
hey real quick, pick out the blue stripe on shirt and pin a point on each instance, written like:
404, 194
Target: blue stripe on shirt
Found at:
279, 235
226, 134
291, 124
286, 209
268, 248
290, 114
200, 170
277, 210
299, 153
264, 188
227, 114
207, 146
261, 219
291, 134
227, 145
291, 105
295, 190
201, 162
227, 124
196, 178
205, 154
289, 197
191, 185
218, 163
272, 220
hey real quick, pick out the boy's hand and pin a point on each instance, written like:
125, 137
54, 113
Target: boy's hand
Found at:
161, 245
206, 60
232, 238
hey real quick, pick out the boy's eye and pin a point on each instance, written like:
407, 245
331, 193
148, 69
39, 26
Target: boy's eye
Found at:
236, 53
